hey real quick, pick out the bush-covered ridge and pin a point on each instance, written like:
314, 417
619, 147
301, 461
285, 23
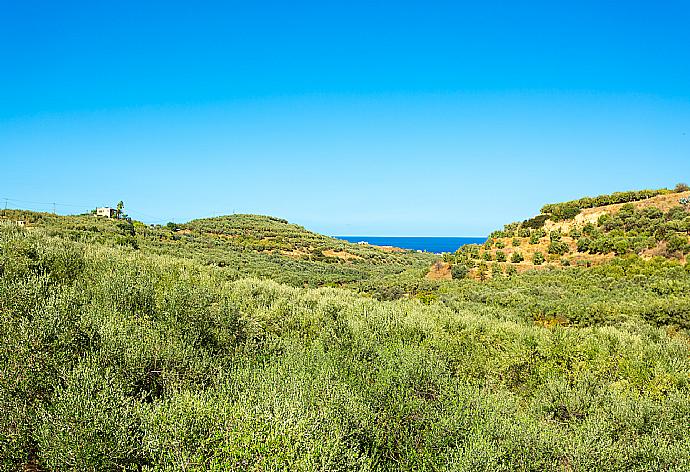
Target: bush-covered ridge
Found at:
240, 245
569, 210
655, 226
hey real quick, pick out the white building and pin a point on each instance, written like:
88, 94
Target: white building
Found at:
106, 212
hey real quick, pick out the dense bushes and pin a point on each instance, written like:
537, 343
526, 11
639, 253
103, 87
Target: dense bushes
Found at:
242, 245
115, 359
633, 230
535, 223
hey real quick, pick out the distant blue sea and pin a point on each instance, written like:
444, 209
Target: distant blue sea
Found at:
429, 244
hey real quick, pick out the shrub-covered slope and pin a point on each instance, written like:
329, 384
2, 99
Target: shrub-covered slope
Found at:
240, 245
117, 359
198, 347
647, 223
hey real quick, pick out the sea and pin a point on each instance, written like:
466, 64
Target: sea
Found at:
420, 243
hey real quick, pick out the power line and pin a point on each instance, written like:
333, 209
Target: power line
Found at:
45, 203
55, 205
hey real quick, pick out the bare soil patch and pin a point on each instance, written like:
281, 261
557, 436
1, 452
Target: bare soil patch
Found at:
439, 271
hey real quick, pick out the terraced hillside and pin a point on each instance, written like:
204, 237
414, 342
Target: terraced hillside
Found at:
585, 232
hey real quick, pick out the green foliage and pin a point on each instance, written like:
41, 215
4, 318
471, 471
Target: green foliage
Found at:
681, 187
678, 243
500, 245
558, 247
500, 256
633, 230
538, 258
482, 270
516, 257
535, 223
119, 208
155, 359
426, 297
508, 231
569, 210
516, 242
562, 211
459, 271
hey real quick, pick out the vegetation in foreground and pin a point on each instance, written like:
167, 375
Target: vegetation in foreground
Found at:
146, 356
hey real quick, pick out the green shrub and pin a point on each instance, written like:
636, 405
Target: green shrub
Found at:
500, 256
536, 222
516, 257
90, 425
583, 244
563, 211
621, 246
678, 243
538, 258
459, 271
558, 247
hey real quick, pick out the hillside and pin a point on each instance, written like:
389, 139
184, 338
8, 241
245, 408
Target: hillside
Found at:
239, 245
238, 343
586, 232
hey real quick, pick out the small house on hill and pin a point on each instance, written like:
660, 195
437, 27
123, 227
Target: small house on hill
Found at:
106, 212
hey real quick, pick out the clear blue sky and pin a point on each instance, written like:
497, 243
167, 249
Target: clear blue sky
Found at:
361, 118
